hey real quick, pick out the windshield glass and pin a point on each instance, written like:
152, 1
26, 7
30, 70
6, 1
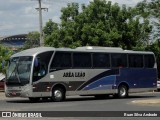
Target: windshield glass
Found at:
19, 70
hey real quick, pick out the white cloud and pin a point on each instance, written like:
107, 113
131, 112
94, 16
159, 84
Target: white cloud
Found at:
6, 27
127, 2
1, 12
56, 19
29, 10
20, 16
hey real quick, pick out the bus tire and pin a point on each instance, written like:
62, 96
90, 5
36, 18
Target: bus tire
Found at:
122, 91
58, 94
34, 99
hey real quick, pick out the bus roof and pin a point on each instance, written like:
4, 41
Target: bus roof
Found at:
35, 51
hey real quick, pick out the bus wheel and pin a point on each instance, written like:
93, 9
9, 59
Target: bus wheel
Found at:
34, 99
58, 94
122, 91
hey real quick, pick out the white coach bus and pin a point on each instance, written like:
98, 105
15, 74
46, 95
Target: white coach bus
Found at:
47, 72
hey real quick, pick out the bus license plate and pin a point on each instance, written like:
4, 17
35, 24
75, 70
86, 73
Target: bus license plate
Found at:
14, 93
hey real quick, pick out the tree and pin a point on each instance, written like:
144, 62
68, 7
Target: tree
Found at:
155, 47
5, 53
52, 34
150, 10
32, 40
100, 23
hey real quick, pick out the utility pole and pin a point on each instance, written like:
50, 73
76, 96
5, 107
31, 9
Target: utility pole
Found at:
40, 22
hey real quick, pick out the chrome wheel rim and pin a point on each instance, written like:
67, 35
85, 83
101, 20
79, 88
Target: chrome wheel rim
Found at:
122, 91
57, 94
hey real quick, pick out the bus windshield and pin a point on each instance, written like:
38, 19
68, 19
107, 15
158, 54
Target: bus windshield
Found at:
19, 70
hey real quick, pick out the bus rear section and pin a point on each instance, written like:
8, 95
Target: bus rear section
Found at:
138, 80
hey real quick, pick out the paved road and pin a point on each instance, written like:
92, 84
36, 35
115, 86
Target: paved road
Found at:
82, 104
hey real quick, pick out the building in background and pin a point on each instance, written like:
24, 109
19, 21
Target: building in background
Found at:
14, 41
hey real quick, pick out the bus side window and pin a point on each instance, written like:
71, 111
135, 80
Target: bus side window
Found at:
119, 60
149, 61
39, 68
61, 60
41, 63
101, 60
82, 60
135, 61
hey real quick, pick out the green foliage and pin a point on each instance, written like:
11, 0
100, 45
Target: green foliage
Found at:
5, 53
155, 47
151, 10
100, 23
32, 40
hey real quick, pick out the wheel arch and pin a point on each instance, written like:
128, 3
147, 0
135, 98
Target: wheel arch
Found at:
61, 85
124, 83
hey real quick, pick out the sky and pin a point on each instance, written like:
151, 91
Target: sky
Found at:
21, 17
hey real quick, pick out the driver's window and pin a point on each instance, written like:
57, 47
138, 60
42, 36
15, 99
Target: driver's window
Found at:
41, 65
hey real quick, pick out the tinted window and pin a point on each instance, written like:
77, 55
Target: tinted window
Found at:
41, 63
82, 60
119, 60
136, 61
149, 61
61, 60
101, 60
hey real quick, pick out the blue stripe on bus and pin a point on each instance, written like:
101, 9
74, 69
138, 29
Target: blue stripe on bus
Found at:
109, 80
105, 87
135, 78
99, 76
